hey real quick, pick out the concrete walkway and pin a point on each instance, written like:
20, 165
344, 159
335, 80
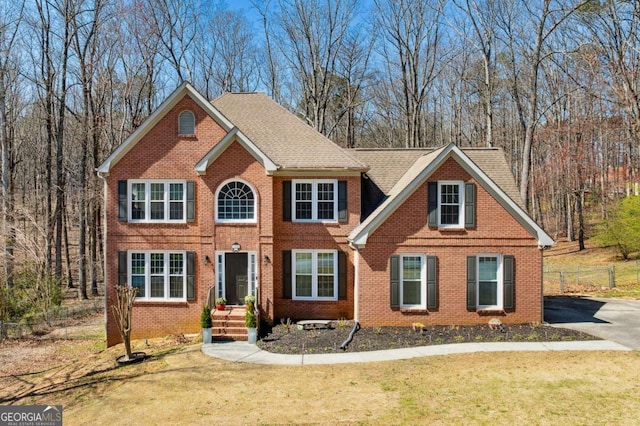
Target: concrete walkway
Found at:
245, 352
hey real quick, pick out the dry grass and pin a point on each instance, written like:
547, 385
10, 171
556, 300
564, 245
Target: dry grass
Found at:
180, 385
501, 388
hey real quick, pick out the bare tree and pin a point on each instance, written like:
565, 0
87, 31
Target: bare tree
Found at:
410, 43
311, 36
614, 27
518, 20
174, 22
482, 17
10, 21
235, 57
122, 312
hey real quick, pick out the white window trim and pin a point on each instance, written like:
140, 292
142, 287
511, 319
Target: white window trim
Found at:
460, 224
194, 123
423, 282
252, 272
499, 282
147, 281
314, 275
255, 203
167, 201
314, 200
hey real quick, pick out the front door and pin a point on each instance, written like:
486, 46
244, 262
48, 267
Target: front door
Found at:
236, 280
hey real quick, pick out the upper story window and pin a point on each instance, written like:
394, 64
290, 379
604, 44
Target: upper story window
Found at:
236, 202
450, 196
315, 200
186, 123
157, 201
452, 204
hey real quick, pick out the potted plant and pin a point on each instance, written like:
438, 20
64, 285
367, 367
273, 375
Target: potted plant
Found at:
205, 323
221, 303
250, 319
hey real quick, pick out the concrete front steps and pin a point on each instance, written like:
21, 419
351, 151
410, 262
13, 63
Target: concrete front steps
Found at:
228, 324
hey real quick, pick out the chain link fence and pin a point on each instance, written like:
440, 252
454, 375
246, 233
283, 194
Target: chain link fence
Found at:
578, 279
60, 317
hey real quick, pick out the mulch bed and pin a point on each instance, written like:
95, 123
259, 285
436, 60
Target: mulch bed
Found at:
288, 339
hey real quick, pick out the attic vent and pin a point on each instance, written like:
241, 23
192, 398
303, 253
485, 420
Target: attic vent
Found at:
186, 123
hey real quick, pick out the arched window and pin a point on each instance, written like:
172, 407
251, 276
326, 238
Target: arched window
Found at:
186, 123
236, 202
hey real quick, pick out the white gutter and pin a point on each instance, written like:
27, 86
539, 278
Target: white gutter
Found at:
356, 284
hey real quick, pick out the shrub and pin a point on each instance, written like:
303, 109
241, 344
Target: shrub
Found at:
250, 319
622, 228
31, 296
205, 317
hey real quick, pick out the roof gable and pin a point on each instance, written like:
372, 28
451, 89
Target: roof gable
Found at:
235, 135
185, 89
418, 174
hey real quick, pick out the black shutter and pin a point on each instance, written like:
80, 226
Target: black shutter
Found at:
286, 274
122, 200
191, 275
191, 201
432, 203
471, 283
470, 205
508, 282
342, 275
342, 201
432, 282
394, 269
286, 200
122, 268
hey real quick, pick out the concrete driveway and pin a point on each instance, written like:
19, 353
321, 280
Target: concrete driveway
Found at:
611, 319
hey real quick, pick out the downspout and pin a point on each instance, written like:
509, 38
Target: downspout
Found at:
356, 285
105, 272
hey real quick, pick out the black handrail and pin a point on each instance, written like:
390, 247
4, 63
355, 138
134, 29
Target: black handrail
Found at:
356, 327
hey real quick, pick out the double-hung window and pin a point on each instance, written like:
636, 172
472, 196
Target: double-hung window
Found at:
452, 204
315, 200
413, 284
489, 267
158, 275
413, 281
315, 274
451, 197
157, 201
490, 282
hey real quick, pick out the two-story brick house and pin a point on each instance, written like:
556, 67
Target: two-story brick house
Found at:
238, 196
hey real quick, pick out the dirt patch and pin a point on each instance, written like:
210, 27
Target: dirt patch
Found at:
288, 339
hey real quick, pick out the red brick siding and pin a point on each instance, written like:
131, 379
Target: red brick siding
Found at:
313, 236
406, 231
163, 154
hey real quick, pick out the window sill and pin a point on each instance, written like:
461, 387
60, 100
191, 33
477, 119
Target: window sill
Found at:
451, 229
164, 303
413, 311
491, 311
187, 136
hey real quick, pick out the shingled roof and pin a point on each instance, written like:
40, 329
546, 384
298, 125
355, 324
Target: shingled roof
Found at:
387, 166
284, 138
488, 167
